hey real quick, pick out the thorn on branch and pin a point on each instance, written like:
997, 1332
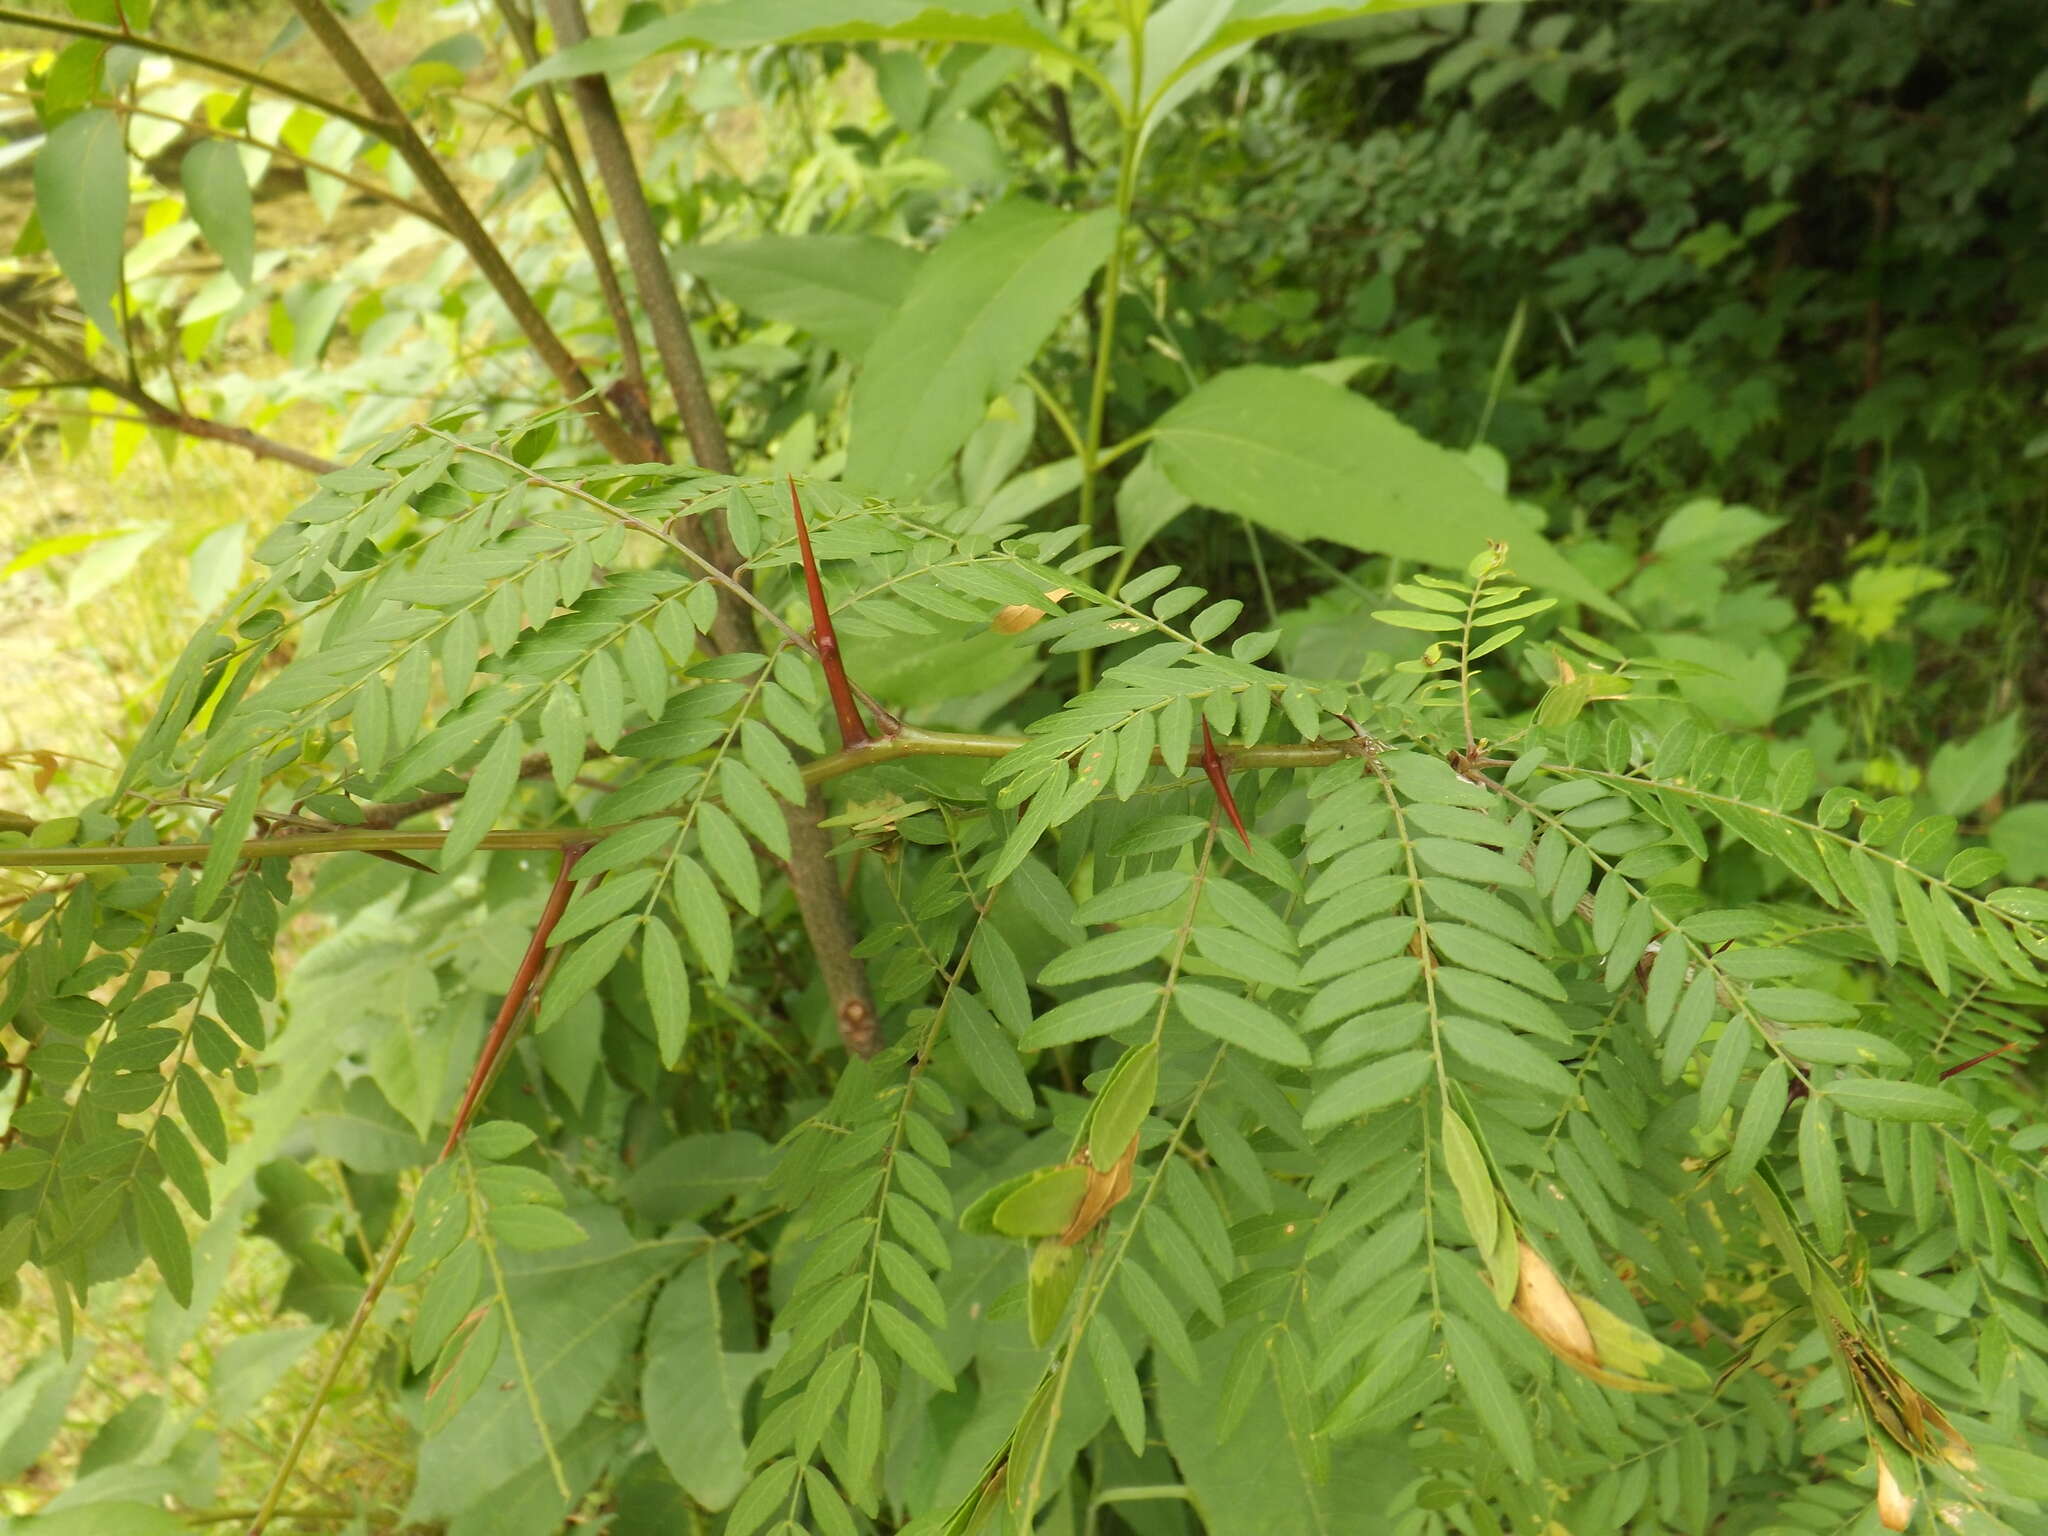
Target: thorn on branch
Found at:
853, 730
1965, 1066
530, 967
1212, 765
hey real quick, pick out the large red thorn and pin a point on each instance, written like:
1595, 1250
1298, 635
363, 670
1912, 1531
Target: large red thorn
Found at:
853, 730
515, 995
1964, 1066
1212, 765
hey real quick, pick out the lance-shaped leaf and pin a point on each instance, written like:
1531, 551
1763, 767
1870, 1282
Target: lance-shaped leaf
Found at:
82, 202
761, 23
217, 193
981, 306
1313, 461
1207, 33
1125, 1101
693, 1390
840, 288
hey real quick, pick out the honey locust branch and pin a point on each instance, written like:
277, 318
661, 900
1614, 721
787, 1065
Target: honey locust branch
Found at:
911, 742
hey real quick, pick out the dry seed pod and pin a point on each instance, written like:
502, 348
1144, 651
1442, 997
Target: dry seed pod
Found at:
1592, 1340
1894, 1508
1106, 1188
1018, 617
1547, 1309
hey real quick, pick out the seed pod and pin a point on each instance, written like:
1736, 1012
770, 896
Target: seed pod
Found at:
1547, 1310
1592, 1340
1106, 1187
1894, 1508
1018, 617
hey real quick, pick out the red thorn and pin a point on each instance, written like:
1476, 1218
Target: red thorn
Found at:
853, 730
1212, 765
1966, 1065
515, 996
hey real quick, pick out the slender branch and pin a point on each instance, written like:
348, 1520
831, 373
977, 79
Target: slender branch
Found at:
368, 188
658, 296
518, 999
390, 123
576, 195
82, 374
121, 37
395, 813
814, 881
909, 742
254, 443
706, 536
373, 1292
1112, 289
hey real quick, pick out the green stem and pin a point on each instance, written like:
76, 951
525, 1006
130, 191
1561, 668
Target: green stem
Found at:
372, 1293
911, 742
1129, 152
1112, 288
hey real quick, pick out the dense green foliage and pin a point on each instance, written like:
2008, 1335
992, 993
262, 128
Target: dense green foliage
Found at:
1400, 1000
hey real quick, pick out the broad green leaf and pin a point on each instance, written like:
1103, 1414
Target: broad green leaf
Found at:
1246, 21
840, 288
1486, 1387
490, 790
1241, 1022
980, 307
1125, 1101
1146, 502
1314, 461
668, 990
1880, 1099
1255, 1479
217, 195
588, 964
692, 1390
1467, 1167
1384, 1082
163, 1235
1966, 774
81, 181
1760, 1117
229, 830
1096, 1013
579, 1312
761, 23
697, 1174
